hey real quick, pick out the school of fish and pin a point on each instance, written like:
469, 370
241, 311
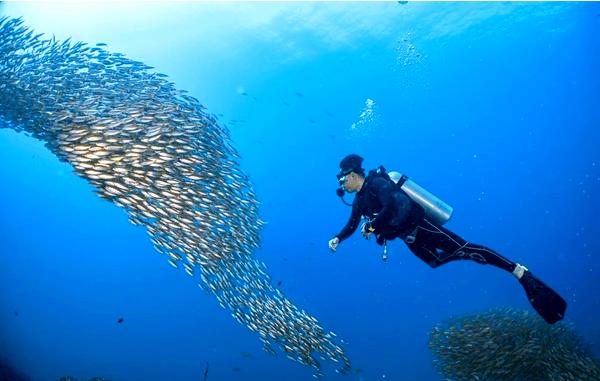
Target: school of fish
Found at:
507, 344
153, 150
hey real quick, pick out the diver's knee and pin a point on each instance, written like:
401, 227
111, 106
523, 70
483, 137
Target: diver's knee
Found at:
433, 263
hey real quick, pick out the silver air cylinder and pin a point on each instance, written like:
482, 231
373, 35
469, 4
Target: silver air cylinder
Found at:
436, 210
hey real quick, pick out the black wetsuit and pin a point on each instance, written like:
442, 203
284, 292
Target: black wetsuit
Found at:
394, 215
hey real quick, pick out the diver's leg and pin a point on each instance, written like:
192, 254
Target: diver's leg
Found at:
484, 255
425, 253
432, 245
442, 246
439, 246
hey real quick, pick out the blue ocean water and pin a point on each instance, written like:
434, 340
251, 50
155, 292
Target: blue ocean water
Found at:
494, 107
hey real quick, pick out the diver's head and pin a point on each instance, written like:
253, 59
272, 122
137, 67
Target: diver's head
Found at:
351, 175
352, 162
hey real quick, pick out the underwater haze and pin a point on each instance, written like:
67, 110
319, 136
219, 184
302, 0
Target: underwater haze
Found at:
493, 107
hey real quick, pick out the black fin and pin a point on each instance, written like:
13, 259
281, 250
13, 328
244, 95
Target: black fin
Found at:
544, 300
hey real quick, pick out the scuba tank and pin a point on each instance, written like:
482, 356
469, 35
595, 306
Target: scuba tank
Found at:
436, 210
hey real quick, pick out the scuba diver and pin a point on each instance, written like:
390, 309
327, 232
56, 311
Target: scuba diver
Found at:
396, 207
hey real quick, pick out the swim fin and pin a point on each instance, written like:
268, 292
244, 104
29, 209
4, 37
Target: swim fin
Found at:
544, 300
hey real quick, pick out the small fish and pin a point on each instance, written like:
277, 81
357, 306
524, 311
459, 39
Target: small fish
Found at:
279, 283
205, 372
120, 320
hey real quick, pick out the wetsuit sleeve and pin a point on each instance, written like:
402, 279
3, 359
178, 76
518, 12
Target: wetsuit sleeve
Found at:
352, 223
384, 190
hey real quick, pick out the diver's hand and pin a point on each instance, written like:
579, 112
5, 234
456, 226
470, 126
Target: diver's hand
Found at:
366, 230
333, 243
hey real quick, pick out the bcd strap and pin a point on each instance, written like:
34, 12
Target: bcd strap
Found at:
402, 180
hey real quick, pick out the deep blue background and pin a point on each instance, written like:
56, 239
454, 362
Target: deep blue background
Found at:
496, 109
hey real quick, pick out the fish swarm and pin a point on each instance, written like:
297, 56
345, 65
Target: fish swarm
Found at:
506, 344
154, 151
